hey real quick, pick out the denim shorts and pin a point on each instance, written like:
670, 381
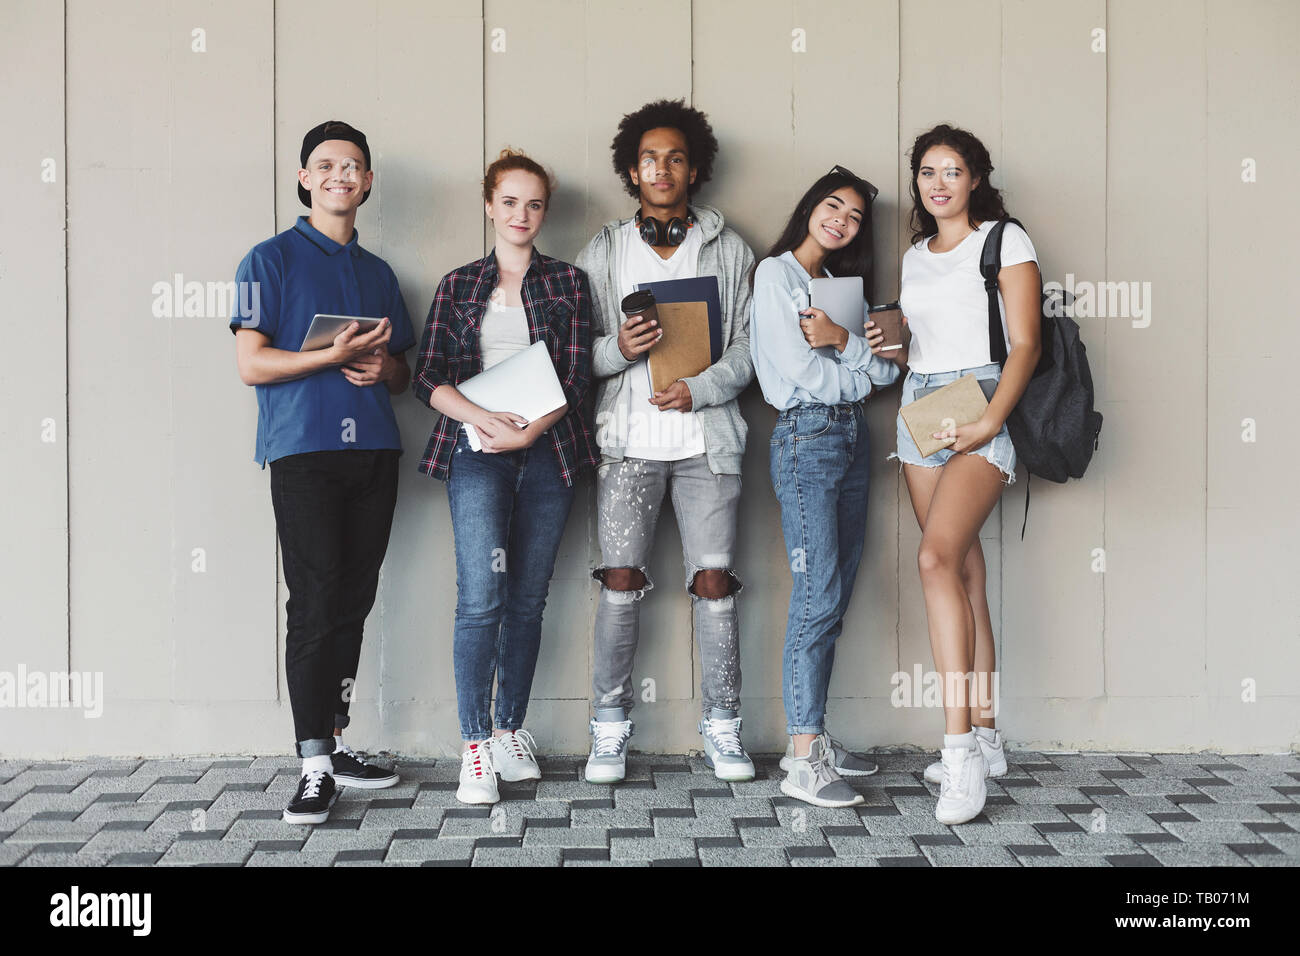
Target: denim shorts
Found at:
999, 451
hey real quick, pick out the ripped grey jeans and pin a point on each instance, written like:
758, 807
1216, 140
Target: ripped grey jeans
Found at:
629, 496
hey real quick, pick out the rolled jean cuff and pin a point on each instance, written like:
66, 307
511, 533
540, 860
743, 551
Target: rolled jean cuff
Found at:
315, 748
814, 729
341, 721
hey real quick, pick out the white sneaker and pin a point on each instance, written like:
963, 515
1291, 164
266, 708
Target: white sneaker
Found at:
608, 760
512, 756
478, 779
994, 756
962, 792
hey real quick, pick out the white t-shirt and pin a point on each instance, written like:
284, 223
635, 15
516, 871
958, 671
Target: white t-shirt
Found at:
945, 303
654, 434
504, 332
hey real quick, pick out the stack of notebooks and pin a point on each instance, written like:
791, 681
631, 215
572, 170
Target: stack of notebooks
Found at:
690, 314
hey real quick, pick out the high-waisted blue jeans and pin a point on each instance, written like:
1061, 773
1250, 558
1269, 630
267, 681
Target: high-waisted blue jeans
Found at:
820, 470
508, 512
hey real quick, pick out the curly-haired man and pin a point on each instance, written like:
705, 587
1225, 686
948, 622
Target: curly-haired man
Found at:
687, 439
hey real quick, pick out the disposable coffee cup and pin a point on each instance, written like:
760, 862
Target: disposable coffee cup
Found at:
640, 306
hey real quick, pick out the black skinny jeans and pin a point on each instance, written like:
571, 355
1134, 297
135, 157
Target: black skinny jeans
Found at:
333, 513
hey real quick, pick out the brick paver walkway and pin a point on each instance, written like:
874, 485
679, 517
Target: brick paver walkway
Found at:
1052, 809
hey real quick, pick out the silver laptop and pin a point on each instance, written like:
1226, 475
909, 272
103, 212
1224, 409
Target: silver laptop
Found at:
842, 301
525, 384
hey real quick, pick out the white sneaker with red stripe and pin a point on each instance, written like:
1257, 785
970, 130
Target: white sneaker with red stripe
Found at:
478, 779
512, 756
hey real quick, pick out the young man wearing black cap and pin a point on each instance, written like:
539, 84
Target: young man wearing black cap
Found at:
326, 425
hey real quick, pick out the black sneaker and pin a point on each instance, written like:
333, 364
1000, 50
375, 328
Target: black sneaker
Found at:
311, 803
350, 770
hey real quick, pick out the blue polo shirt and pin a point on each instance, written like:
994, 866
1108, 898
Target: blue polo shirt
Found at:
299, 273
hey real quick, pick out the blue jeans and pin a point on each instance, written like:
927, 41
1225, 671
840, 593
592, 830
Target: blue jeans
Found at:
508, 513
820, 471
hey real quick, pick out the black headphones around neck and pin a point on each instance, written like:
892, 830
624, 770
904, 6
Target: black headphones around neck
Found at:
655, 233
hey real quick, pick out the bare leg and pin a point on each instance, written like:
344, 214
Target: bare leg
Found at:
960, 499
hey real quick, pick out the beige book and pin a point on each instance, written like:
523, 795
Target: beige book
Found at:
958, 403
684, 349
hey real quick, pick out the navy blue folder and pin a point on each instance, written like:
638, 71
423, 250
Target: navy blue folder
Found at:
702, 289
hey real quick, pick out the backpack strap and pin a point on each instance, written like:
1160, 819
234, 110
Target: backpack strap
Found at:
990, 266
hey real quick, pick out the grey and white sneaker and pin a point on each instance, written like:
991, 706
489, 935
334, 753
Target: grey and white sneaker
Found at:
994, 757
962, 792
846, 764
609, 736
722, 748
813, 780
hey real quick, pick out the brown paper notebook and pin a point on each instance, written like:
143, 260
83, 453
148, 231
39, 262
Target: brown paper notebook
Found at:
684, 349
958, 403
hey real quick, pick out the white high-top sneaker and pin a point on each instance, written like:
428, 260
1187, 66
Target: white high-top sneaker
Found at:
962, 791
994, 756
478, 779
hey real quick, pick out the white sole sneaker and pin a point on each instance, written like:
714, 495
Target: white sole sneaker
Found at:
311, 818
790, 790
605, 773
971, 804
995, 758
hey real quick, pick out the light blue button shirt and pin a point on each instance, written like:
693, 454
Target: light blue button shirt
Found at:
789, 371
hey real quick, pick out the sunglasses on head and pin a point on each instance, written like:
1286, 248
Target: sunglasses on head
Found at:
859, 183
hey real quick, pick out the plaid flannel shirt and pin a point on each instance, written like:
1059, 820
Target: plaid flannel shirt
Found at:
557, 303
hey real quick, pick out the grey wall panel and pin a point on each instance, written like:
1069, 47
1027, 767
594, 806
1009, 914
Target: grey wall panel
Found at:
33, 430
1125, 165
1252, 604
1053, 175
1155, 376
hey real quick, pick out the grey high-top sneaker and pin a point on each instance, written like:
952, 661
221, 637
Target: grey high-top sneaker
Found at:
722, 748
813, 780
610, 731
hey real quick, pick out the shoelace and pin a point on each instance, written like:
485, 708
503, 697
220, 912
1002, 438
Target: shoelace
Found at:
610, 736
478, 760
952, 774
349, 752
725, 734
823, 771
829, 746
312, 788
518, 745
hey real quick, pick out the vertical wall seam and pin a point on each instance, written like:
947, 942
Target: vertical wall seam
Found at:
1205, 297
67, 366
1105, 265
898, 248
275, 102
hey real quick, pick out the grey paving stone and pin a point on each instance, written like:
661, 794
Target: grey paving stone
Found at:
301, 858
1103, 844
611, 818
693, 827
359, 858
334, 840
1211, 832
645, 799
978, 833
430, 850
650, 849
393, 819
516, 856
1195, 854
873, 846
969, 856
567, 837
502, 824
206, 851
1022, 850
135, 859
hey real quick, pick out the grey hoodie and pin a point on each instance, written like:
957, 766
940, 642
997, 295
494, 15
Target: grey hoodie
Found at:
714, 391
